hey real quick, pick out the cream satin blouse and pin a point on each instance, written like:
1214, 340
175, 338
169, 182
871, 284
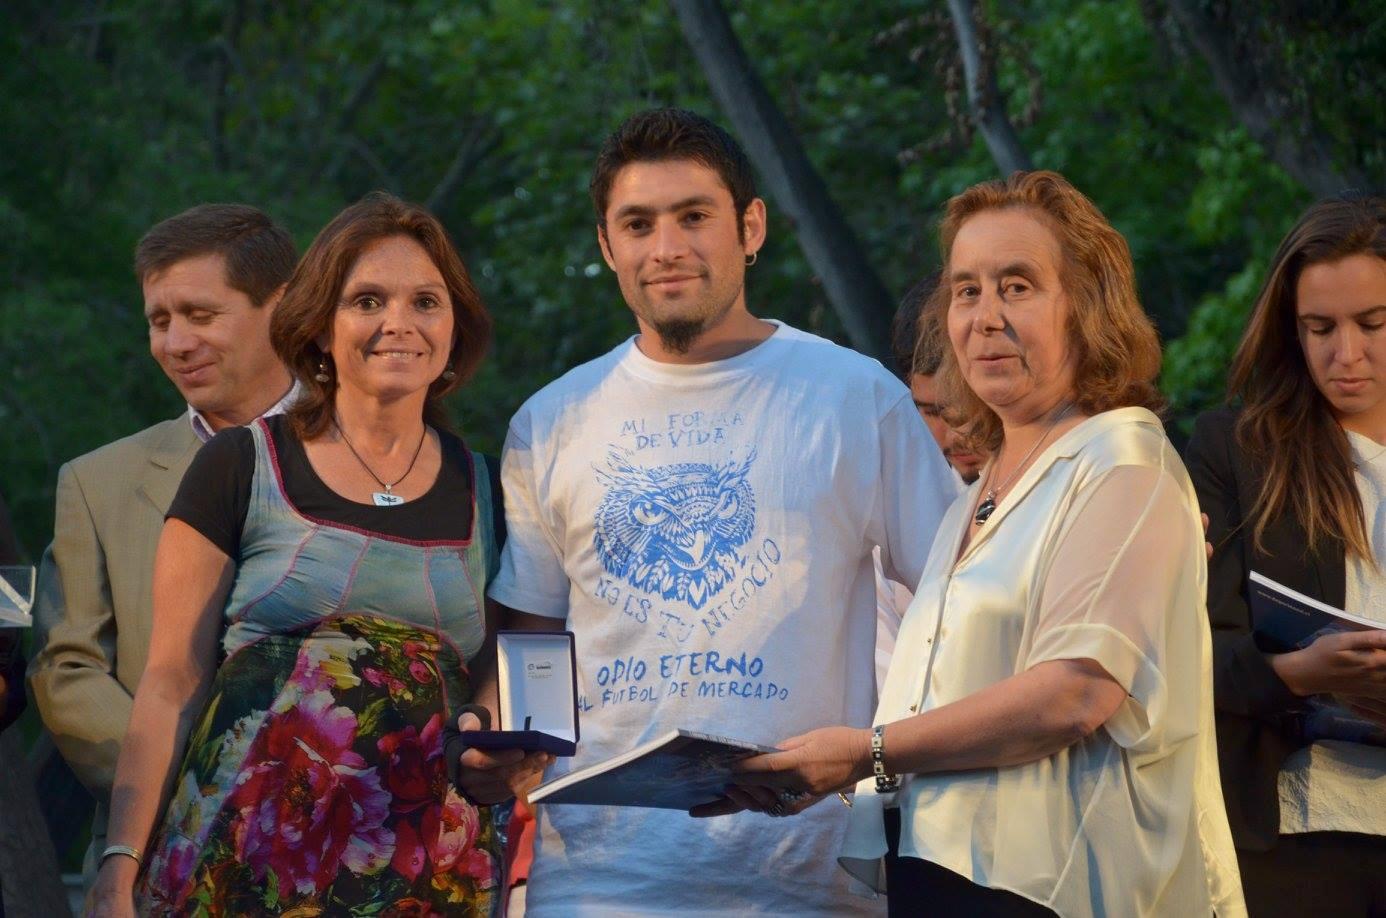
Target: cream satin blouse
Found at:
1097, 553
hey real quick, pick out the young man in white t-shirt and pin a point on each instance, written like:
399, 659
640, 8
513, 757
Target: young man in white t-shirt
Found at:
699, 506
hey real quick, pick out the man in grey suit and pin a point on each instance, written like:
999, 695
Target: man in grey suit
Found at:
211, 277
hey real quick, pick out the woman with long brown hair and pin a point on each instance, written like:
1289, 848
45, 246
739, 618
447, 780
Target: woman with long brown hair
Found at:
318, 600
1294, 483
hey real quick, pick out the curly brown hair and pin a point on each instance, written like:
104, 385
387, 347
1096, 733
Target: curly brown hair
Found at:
1117, 349
310, 303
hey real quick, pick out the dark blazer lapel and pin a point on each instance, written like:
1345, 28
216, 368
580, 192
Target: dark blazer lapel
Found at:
1330, 566
168, 460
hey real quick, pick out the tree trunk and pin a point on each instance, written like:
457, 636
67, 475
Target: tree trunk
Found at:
852, 286
984, 93
29, 874
1298, 149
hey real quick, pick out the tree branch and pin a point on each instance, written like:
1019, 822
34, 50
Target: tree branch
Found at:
225, 51
1303, 152
480, 138
852, 286
984, 93
364, 89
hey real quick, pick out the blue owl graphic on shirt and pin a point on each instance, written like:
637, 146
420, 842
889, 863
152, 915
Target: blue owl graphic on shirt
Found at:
675, 530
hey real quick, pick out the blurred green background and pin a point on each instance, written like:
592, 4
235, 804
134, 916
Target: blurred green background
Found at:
1200, 127
115, 115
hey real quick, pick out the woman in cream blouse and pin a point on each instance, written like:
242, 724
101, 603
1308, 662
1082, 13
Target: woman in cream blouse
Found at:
1044, 741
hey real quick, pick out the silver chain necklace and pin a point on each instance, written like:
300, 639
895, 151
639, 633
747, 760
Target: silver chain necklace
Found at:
988, 505
384, 498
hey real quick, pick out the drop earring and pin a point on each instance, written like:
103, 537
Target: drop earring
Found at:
322, 374
449, 373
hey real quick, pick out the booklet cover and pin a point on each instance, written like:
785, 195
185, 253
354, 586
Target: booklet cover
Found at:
676, 771
16, 596
1288, 620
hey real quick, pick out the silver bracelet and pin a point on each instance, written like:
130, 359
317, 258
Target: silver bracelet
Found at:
885, 781
112, 850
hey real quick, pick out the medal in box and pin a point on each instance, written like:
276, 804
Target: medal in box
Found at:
536, 675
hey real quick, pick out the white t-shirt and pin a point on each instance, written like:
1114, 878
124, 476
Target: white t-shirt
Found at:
892, 599
1323, 786
707, 532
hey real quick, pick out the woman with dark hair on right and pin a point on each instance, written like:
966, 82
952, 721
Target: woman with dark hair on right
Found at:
1294, 483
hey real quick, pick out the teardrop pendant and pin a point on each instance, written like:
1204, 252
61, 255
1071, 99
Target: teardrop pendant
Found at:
985, 510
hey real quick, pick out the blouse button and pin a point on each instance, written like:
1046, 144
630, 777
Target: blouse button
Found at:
914, 709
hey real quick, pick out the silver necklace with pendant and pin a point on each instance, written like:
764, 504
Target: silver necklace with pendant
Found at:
384, 498
988, 505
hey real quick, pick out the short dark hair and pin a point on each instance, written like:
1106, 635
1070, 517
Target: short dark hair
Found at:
910, 352
310, 304
659, 134
259, 254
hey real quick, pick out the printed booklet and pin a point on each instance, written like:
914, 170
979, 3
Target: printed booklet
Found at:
1288, 620
16, 596
676, 771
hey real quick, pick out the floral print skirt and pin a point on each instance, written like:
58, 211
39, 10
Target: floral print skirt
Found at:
314, 784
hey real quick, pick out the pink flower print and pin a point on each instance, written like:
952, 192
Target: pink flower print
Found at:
378, 677
478, 865
449, 831
410, 855
307, 804
174, 865
413, 765
420, 671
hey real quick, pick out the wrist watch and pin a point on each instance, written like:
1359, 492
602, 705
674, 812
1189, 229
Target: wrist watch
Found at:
885, 781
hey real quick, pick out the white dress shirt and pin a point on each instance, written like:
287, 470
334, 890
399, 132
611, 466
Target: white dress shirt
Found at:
1097, 553
204, 430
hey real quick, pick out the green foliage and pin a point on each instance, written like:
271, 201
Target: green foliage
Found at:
120, 114
1196, 363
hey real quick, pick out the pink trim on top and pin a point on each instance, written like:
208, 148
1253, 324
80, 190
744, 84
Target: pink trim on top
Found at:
345, 527
267, 593
438, 623
350, 583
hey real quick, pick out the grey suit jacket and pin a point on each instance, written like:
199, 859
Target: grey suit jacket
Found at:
92, 612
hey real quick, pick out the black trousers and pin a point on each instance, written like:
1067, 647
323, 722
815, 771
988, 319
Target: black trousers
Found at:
917, 887
1342, 874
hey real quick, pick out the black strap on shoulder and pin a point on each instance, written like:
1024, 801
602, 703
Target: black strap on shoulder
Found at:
497, 499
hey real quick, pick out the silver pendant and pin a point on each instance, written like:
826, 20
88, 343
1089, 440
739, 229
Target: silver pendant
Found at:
985, 510
386, 499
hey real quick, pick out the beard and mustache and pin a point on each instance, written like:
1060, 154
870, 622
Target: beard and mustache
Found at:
679, 335
680, 323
